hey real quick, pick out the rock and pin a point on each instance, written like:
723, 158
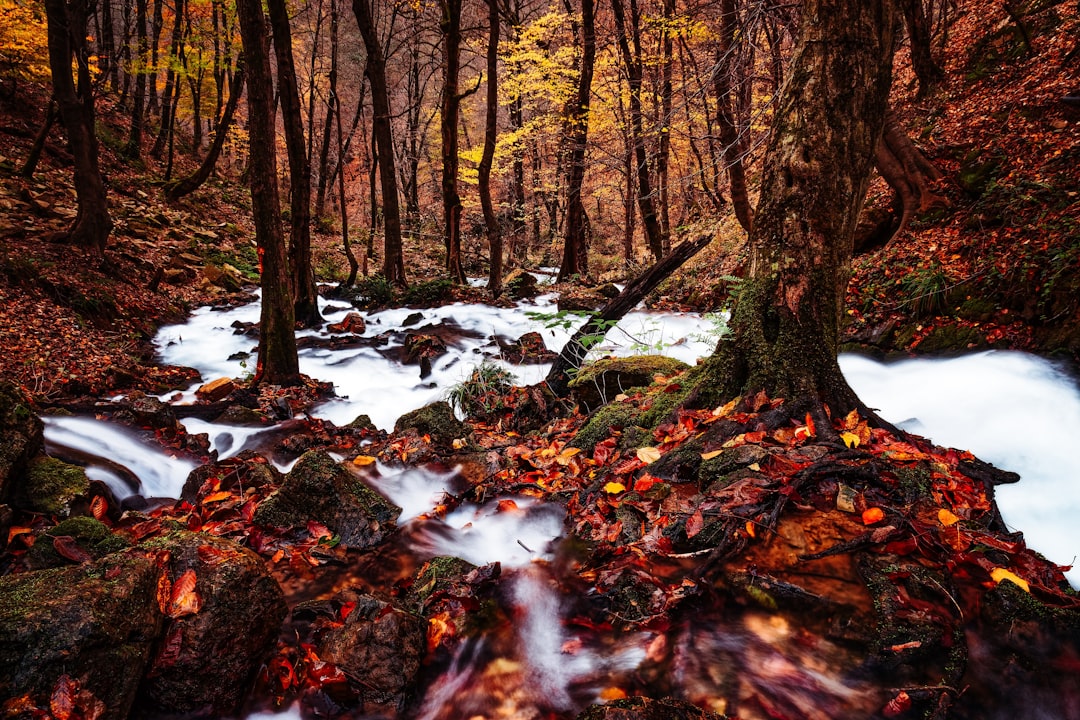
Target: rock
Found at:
246, 469
143, 410
598, 383
20, 437
529, 348
436, 420
174, 276
215, 390
520, 285
363, 424
96, 622
318, 488
243, 416
419, 346
207, 660
412, 319
643, 708
52, 486
351, 323
75, 540
222, 278
381, 646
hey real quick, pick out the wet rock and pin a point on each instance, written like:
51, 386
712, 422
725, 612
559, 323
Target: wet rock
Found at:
520, 285
96, 622
20, 436
412, 319
52, 486
246, 469
529, 348
421, 346
222, 278
351, 323
215, 390
75, 540
363, 424
381, 646
436, 420
643, 708
600, 382
243, 416
140, 409
207, 659
318, 488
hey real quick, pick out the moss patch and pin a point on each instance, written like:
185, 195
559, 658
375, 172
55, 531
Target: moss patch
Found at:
52, 486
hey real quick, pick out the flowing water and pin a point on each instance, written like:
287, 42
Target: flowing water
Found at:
1016, 411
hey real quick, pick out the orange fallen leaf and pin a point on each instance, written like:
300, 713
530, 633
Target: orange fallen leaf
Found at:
946, 518
184, 600
872, 515
612, 693
361, 460
218, 496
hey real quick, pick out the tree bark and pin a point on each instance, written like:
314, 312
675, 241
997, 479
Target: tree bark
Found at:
193, 181
908, 172
30, 166
277, 361
67, 29
450, 26
133, 149
172, 84
732, 138
375, 69
786, 321
575, 239
926, 69
302, 274
491, 129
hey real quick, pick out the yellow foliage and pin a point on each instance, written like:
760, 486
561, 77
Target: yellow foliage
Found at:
24, 49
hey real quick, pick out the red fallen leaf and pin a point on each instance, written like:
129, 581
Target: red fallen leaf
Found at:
754, 437
184, 600
164, 592
694, 524
68, 548
759, 401
212, 555
99, 508
346, 610
218, 496
318, 530
62, 702
897, 706
169, 652
810, 425
603, 451
644, 482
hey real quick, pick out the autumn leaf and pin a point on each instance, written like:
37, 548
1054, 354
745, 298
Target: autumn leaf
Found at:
725, 410
613, 488
648, 454
644, 482
217, 497
711, 455
850, 439
898, 705
1000, 574
362, 460
99, 508
946, 518
69, 548
872, 515
694, 524
62, 702
612, 693
184, 600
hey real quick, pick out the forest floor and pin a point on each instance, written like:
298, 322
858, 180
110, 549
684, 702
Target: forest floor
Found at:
998, 266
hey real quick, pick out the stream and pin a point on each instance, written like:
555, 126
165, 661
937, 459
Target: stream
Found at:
1016, 411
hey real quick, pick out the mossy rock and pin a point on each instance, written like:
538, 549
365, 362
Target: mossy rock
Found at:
520, 285
948, 339
616, 415
243, 416
436, 420
599, 382
644, 708
86, 534
52, 486
21, 437
363, 424
318, 488
97, 622
717, 469
977, 309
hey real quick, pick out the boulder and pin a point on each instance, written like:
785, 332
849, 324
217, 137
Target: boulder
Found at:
215, 390
520, 285
529, 348
97, 622
75, 540
381, 646
143, 410
318, 488
419, 346
351, 323
20, 436
436, 420
216, 638
247, 469
52, 486
598, 383
643, 708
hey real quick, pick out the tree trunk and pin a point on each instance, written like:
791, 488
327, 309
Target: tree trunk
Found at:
484, 172
633, 63
172, 85
786, 321
663, 154
575, 247
30, 166
155, 50
926, 69
133, 149
732, 138
375, 69
908, 172
197, 178
108, 46
67, 29
451, 110
305, 295
277, 363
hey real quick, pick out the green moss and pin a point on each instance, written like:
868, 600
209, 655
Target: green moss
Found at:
428, 293
952, 338
916, 480
92, 536
616, 415
436, 420
52, 486
599, 382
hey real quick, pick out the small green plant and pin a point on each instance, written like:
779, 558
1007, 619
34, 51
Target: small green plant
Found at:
426, 294
926, 289
375, 291
482, 392
718, 328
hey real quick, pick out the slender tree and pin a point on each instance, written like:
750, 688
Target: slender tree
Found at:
491, 222
450, 25
67, 31
277, 362
732, 137
133, 149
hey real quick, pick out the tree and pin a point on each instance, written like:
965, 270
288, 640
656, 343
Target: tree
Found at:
484, 171
277, 362
450, 26
67, 29
375, 70
829, 119
574, 260
302, 274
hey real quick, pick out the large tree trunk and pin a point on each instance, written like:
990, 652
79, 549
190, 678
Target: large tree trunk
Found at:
451, 110
193, 181
375, 69
302, 274
786, 321
484, 172
277, 364
67, 28
575, 248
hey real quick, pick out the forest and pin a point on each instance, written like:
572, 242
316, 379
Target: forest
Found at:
336, 199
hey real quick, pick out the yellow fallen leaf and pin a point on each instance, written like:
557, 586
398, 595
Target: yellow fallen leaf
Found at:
362, 460
946, 518
612, 693
613, 487
725, 410
711, 455
648, 454
999, 574
850, 439
564, 457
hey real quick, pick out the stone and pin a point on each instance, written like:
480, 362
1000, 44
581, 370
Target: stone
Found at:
72, 539
643, 708
21, 437
520, 285
529, 348
419, 346
352, 323
52, 486
140, 409
97, 622
208, 659
215, 390
598, 383
318, 488
436, 420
